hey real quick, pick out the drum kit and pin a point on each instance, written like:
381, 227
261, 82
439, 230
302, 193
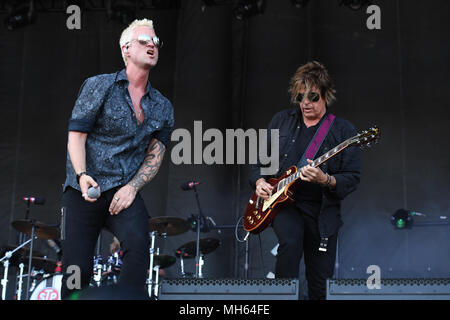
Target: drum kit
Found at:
33, 265
43, 281
172, 226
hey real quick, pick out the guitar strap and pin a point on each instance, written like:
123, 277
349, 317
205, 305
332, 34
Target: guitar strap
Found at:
310, 153
317, 140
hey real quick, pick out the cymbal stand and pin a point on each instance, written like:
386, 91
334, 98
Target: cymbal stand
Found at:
156, 277
98, 263
5, 260
150, 272
201, 262
33, 228
200, 218
183, 274
19, 290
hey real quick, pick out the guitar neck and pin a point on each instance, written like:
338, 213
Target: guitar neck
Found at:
322, 159
328, 155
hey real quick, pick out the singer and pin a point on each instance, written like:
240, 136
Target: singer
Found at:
118, 132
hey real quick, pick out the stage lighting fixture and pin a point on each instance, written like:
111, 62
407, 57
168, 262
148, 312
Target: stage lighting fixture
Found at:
355, 4
20, 15
402, 219
247, 8
299, 3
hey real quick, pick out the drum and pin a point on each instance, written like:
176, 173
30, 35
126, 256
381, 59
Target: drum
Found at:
48, 289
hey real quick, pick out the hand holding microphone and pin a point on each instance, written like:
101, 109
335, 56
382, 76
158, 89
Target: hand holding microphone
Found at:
94, 193
90, 190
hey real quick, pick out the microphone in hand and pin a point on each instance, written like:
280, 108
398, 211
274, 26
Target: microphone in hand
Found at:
93, 193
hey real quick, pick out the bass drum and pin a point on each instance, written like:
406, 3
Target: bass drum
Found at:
48, 289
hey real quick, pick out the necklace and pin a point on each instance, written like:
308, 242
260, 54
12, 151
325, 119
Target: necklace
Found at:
139, 112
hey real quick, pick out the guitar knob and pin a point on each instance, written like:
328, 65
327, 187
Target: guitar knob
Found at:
258, 216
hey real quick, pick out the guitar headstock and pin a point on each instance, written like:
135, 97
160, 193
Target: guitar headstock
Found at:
366, 138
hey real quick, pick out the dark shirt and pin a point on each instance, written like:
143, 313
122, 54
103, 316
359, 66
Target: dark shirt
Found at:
308, 196
116, 144
345, 166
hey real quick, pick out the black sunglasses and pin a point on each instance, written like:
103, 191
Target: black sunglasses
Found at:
312, 96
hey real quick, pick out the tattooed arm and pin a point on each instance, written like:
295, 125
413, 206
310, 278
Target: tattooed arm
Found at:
124, 197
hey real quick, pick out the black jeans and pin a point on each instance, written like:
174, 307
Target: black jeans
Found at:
298, 233
82, 222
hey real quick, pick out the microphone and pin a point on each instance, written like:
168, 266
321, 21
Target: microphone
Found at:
35, 200
93, 193
189, 185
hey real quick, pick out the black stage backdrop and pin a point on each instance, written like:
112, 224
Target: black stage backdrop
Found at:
234, 74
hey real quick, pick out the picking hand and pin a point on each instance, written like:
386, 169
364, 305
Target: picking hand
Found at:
263, 189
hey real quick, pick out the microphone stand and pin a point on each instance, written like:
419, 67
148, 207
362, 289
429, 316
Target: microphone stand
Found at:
6, 257
231, 226
22, 236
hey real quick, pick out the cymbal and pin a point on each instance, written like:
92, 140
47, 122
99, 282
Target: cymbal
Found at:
163, 260
42, 230
169, 226
40, 263
189, 250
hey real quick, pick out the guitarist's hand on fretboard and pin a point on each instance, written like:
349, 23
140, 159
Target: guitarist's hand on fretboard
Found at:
316, 175
263, 189
313, 174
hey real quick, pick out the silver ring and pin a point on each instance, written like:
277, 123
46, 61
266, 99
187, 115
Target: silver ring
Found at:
117, 199
84, 195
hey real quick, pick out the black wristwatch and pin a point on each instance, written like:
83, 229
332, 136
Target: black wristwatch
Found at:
79, 176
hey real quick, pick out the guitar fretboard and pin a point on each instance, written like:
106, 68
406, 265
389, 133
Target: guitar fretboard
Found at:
323, 158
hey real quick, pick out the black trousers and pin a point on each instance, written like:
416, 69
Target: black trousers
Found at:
298, 234
82, 223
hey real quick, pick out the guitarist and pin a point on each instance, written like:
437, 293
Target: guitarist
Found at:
310, 225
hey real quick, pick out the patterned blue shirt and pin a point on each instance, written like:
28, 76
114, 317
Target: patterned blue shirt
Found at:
116, 145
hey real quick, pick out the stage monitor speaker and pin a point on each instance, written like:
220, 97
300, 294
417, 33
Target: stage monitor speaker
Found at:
229, 289
390, 289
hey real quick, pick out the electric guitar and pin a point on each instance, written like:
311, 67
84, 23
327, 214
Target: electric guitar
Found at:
260, 213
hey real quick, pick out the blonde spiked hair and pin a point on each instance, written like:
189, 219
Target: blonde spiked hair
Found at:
127, 34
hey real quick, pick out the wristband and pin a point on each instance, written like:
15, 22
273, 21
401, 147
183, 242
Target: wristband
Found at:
79, 176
